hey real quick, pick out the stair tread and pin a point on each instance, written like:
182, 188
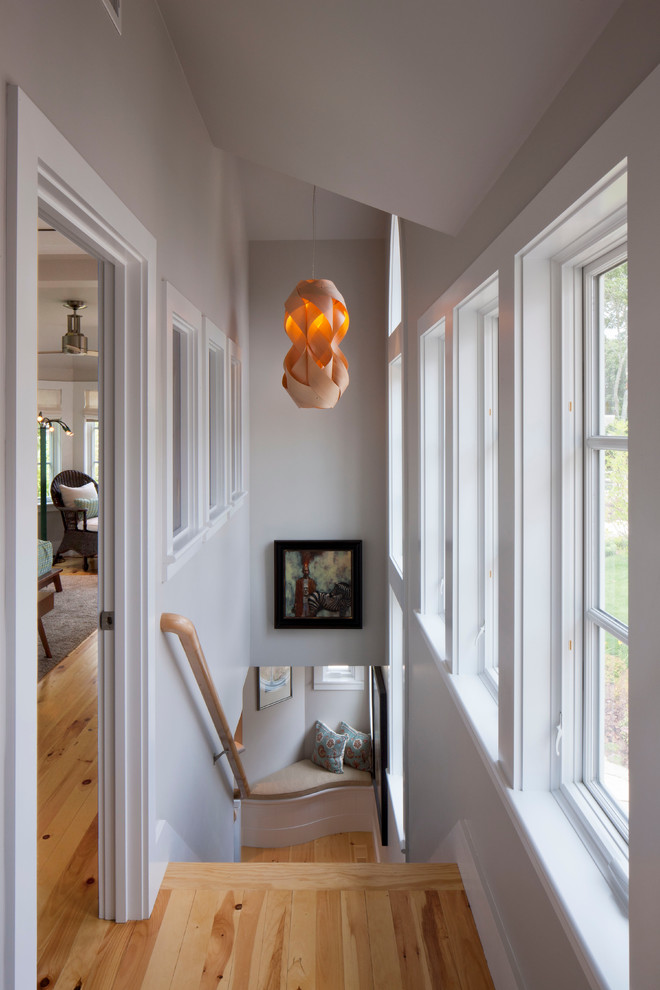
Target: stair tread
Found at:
314, 876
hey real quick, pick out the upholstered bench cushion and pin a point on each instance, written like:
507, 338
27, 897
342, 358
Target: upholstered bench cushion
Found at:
44, 557
306, 777
92, 524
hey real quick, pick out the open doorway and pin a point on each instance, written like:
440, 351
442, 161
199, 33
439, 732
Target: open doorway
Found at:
49, 179
69, 458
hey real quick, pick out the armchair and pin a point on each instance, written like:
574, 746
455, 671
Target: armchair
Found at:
80, 533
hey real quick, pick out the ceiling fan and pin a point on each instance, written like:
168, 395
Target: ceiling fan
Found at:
74, 341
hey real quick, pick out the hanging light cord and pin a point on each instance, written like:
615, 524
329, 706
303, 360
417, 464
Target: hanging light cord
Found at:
314, 233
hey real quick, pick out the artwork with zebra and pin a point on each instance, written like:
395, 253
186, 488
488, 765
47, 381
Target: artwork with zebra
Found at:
318, 584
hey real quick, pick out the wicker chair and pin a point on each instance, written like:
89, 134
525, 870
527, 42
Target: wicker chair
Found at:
83, 541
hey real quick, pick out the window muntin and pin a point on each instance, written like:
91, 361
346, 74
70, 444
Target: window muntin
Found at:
605, 634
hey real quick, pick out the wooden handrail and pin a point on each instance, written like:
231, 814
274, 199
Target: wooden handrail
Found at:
170, 622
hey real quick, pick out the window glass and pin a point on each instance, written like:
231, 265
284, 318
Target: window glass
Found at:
606, 536
177, 450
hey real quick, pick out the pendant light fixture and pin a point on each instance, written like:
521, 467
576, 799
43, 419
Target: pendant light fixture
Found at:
316, 321
74, 340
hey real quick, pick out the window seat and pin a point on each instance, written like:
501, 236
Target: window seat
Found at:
305, 777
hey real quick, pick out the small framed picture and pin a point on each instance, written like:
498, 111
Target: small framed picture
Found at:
318, 584
273, 685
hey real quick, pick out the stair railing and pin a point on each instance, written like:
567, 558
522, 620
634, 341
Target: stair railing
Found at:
170, 622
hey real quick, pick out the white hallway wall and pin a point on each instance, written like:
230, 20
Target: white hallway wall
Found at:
447, 779
124, 105
318, 474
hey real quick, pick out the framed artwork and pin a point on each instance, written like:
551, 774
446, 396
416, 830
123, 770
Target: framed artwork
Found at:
273, 685
318, 584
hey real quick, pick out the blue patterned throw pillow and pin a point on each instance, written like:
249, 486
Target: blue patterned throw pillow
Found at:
328, 749
358, 747
91, 504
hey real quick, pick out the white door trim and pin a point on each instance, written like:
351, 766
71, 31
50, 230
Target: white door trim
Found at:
46, 174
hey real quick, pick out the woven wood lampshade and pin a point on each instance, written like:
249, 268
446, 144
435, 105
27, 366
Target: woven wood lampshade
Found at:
316, 321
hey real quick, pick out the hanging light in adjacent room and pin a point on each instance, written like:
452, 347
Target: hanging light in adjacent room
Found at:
74, 340
316, 321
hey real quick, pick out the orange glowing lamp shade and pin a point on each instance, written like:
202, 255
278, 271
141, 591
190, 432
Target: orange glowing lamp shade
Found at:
316, 321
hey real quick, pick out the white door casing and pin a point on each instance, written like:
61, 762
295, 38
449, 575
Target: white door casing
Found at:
46, 176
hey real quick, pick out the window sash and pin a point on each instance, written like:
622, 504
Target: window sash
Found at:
604, 663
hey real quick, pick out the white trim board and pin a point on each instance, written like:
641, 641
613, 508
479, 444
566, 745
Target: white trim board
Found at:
458, 847
46, 175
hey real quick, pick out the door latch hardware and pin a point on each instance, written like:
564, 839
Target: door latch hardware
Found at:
107, 620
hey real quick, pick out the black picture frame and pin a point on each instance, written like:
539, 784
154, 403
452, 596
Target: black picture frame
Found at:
318, 584
379, 734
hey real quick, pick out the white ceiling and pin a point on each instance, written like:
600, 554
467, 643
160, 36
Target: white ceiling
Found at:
413, 108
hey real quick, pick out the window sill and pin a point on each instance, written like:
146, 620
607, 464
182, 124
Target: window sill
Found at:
181, 555
215, 523
582, 899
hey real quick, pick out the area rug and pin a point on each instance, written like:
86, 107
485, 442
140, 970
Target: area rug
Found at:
73, 618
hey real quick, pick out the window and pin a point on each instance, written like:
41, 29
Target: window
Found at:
215, 426
236, 406
574, 520
339, 677
91, 457
432, 466
396, 462
475, 648
488, 525
52, 461
49, 402
184, 326
395, 295
605, 578
396, 591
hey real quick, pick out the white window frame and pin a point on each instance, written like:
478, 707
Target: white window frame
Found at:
237, 418
396, 495
595, 617
550, 277
339, 677
488, 645
395, 306
396, 689
432, 469
215, 428
474, 641
185, 319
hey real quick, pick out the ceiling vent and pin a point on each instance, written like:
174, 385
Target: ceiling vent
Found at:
113, 7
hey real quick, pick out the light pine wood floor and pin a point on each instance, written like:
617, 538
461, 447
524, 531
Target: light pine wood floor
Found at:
310, 917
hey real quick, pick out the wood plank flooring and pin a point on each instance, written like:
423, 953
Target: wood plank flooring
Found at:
321, 915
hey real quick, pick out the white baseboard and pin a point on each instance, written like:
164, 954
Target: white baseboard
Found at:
459, 848
170, 847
